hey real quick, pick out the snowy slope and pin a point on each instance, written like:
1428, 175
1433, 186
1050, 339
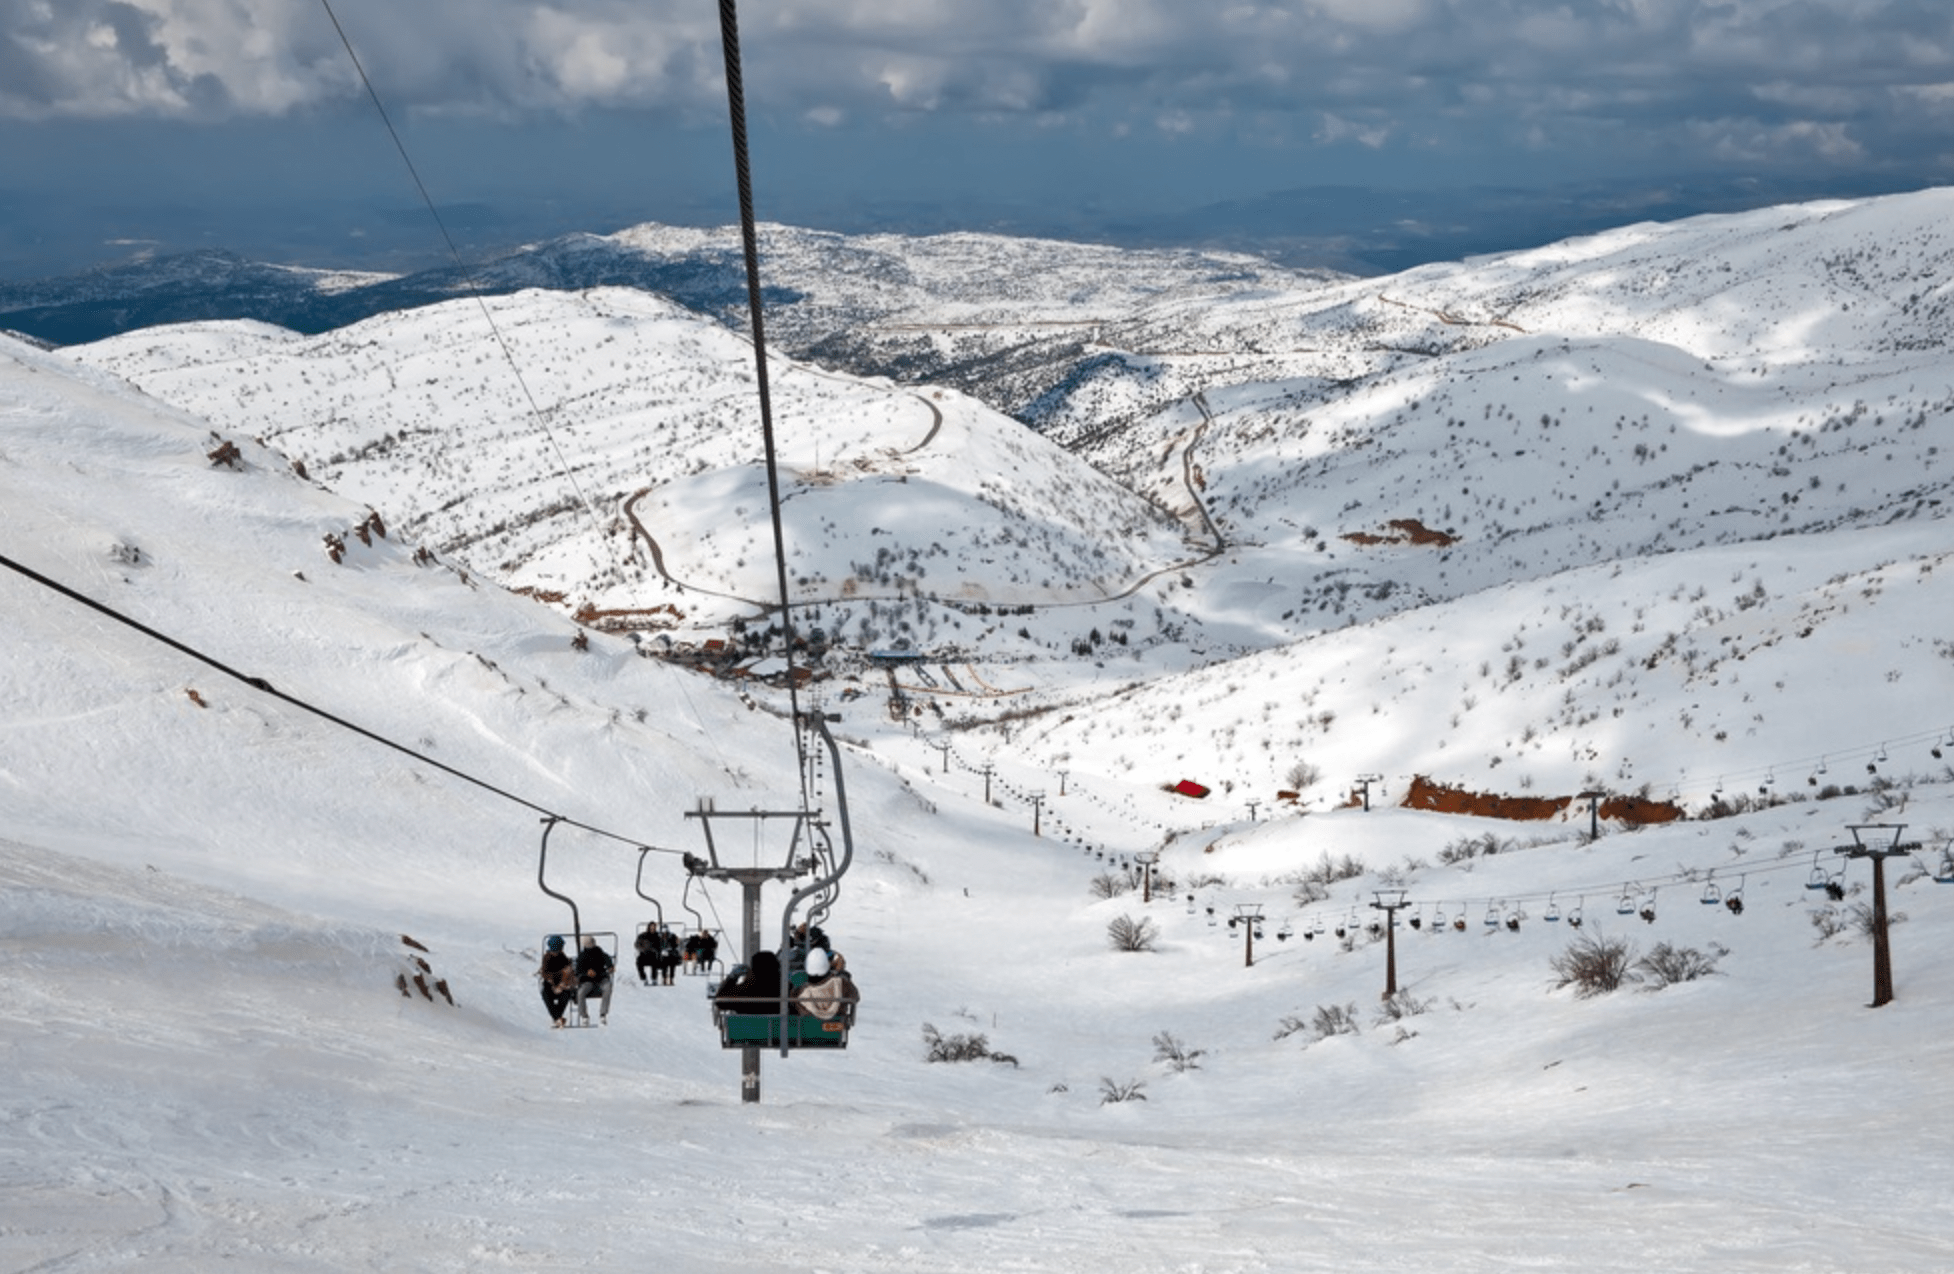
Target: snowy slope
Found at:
203, 907
651, 410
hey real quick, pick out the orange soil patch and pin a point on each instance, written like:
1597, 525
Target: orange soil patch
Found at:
1404, 531
1634, 809
624, 621
1445, 799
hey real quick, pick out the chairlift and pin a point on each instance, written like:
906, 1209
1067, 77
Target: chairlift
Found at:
1211, 919
1944, 874
1574, 916
1459, 922
1770, 780
1417, 920
1492, 915
1626, 906
1648, 908
776, 1020
1818, 878
1712, 896
1513, 921
1282, 934
1733, 901
1553, 911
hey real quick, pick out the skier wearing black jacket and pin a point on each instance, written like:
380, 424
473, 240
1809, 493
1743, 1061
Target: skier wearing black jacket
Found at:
594, 968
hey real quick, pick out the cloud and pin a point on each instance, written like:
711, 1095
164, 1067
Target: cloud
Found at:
1724, 78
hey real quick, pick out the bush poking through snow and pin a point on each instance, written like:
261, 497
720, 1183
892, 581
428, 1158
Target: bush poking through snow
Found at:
1859, 919
1128, 934
1111, 1091
1335, 1019
1302, 776
1595, 965
1401, 1004
1828, 921
960, 1048
1666, 964
1178, 1056
1108, 885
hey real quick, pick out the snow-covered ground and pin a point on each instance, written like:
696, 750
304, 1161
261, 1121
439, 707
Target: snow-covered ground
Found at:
205, 889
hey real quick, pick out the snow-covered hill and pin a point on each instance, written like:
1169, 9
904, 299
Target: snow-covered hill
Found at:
614, 460
204, 886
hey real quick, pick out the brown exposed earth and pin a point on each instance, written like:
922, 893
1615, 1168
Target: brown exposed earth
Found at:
1404, 531
1443, 798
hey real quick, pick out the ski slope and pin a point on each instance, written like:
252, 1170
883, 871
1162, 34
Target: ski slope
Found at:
204, 898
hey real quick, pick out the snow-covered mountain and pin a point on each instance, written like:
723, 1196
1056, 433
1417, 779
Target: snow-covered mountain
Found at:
204, 885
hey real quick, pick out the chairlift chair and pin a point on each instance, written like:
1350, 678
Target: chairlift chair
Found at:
1574, 916
1626, 906
1944, 874
1492, 915
1733, 901
1712, 896
1648, 908
1553, 911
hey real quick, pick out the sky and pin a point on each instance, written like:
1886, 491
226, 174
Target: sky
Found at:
159, 125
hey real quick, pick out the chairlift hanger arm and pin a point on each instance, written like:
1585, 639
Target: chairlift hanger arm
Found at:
542, 864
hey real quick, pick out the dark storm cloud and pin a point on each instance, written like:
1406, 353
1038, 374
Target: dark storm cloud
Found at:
1847, 81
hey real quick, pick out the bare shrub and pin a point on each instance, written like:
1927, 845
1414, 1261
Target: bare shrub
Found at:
1328, 871
1828, 921
1112, 1091
1289, 1025
1128, 934
1302, 776
1467, 848
1178, 1056
960, 1048
1108, 885
1400, 1005
1666, 965
1859, 919
1335, 1019
1594, 965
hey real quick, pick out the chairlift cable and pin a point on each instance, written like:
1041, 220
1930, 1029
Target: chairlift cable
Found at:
535, 410
736, 110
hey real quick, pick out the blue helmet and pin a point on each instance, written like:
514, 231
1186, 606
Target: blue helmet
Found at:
556, 942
